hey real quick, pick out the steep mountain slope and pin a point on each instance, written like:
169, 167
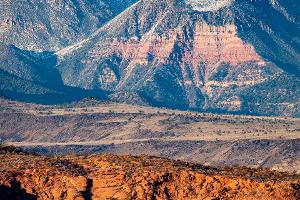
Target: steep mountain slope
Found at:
52, 25
276, 38
26, 176
31, 76
192, 55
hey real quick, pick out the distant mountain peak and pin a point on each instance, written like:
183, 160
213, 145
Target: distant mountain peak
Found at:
208, 5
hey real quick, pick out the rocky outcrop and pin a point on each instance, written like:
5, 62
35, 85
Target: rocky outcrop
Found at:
126, 177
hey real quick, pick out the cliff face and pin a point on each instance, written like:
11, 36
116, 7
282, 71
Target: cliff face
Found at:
114, 177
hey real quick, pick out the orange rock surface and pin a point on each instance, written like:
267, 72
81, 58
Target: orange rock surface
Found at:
126, 177
207, 44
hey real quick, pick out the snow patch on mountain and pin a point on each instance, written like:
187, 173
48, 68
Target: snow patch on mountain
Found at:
208, 5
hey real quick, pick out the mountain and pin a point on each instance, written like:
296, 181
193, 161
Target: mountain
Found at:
51, 25
217, 56
27, 176
203, 55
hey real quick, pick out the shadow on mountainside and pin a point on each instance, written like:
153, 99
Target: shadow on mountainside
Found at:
32, 77
275, 38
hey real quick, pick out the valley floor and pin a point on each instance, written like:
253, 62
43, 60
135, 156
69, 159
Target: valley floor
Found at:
209, 139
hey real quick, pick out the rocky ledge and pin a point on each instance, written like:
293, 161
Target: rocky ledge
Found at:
27, 176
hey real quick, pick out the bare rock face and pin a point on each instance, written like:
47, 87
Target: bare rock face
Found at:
113, 177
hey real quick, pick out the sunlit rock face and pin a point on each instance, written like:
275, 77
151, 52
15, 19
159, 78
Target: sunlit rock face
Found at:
129, 177
208, 5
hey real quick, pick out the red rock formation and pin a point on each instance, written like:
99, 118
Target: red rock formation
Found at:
211, 45
114, 177
208, 47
